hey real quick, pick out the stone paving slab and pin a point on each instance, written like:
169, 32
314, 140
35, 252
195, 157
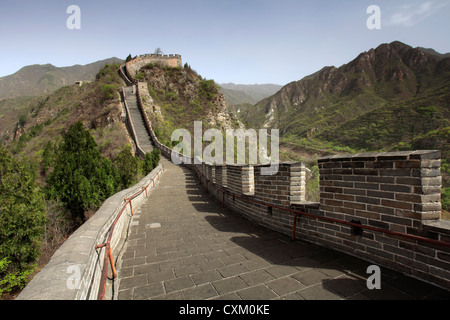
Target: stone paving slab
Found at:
185, 246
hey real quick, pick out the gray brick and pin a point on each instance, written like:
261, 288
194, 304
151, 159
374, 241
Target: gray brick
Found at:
260, 292
229, 285
256, 277
178, 284
396, 204
317, 293
397, 220
279, 271
365, 172
186, 270
160, 276
395, 188
285, 285
368, 200
206, 276
203, 292
232, 270
147, 292
310, 277
135, 281
395, 172
369, 186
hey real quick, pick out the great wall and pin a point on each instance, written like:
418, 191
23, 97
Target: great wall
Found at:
133, 66
383, 208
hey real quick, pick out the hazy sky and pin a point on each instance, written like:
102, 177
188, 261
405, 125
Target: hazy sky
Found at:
245, 41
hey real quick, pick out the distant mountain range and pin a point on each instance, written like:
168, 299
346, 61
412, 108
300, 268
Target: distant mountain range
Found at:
236, 94
389, 98
37, 79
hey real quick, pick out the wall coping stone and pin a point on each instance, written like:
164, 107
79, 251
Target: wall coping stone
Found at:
441, 226
401, 155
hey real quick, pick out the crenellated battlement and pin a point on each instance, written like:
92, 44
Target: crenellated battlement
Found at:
165, 60
382, 207
159, 56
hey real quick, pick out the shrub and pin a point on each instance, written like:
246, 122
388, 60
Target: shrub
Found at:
140, 76
171, 96
157, 132
48, 157
151, 161
312, 185
108, 91
22, 120
22, 219
127, 167
445, 199
13, 279
427, 111
208, 89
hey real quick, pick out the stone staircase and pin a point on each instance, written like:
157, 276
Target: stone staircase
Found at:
142, 134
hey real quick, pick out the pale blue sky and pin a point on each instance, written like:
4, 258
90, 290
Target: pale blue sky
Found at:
246, 41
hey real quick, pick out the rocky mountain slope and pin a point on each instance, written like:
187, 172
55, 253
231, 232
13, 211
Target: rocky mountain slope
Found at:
182, 97
44, 119
36, 80
391, 97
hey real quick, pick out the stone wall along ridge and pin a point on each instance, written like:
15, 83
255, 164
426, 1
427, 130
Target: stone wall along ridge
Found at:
382, 207
133, 66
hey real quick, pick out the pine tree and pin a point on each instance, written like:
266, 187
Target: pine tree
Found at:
81, 177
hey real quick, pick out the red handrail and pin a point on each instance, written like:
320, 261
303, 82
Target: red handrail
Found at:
108, 252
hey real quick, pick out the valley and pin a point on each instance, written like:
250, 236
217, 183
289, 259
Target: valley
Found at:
390, 98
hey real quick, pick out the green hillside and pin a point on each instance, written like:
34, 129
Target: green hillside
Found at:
388, 98
393, 97
181, 97
97, 105
36, 80
405, 125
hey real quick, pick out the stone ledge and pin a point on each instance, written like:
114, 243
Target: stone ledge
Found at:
51, 283
306, 204
397, 155
440, 226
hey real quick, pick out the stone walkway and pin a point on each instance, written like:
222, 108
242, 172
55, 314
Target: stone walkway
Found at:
184, 245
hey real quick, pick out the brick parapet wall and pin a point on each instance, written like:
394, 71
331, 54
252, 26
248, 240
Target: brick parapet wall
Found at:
393, 192
133, 66
221, 175
284, 188
240, 179
398, 192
